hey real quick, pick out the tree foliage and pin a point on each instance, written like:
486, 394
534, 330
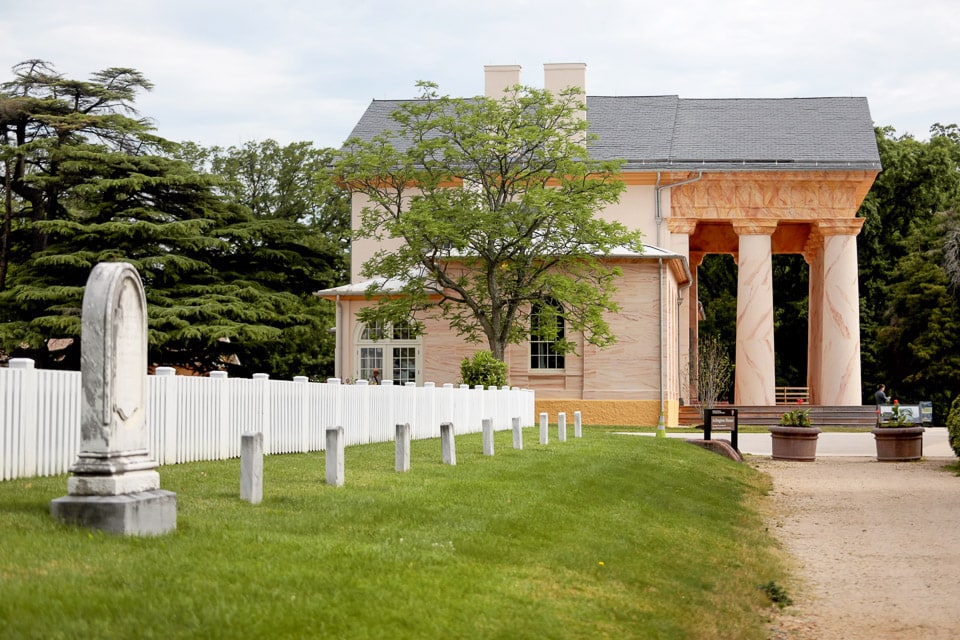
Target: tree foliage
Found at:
483, 369
918, 180
85, 181
520, 229
289, 189
919, 340
953, 426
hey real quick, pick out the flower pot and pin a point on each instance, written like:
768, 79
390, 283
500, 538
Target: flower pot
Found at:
899, 444
794, 443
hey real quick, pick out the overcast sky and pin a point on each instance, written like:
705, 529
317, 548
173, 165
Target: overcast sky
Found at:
230, 71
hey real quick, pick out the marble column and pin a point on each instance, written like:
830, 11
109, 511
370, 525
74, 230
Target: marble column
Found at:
840, 347
681, 230
813, 254
755, 373
693, 294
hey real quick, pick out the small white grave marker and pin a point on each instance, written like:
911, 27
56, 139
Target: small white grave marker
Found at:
517, 433
251, 467
448, 446
487, 424
403, 447
334, 456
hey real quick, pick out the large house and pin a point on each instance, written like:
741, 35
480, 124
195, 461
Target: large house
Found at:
746, 177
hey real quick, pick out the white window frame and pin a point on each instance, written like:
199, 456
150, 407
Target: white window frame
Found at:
548, 355
388, 346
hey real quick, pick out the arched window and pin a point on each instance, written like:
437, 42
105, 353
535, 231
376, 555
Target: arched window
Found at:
392, 348
546, 330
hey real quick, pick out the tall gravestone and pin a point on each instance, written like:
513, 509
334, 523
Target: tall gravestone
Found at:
114, 484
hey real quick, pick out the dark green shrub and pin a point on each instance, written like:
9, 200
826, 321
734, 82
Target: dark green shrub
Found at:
483, 369
953, 425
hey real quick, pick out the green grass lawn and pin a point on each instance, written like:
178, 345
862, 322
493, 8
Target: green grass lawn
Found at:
601, 537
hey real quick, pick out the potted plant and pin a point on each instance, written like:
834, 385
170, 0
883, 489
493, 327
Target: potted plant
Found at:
897, 438
795, 438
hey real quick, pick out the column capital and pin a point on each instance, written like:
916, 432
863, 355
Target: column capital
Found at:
813, 247
682, 225
754, 227
696, 259
842, 227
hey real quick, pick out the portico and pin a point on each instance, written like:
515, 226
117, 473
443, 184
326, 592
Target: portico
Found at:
753, 216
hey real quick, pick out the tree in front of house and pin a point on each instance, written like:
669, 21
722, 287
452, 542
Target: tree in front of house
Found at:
495, 201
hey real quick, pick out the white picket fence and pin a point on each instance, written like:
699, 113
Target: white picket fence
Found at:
191, 419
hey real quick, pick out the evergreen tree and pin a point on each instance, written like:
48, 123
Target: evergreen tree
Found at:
288, 190
918, 180
86, 182
920, 338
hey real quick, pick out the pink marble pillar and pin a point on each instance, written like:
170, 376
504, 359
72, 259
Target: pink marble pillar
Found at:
680, 231
813, 254
696, 259
840, 348
755, 373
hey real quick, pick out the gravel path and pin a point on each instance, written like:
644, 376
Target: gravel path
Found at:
876, 546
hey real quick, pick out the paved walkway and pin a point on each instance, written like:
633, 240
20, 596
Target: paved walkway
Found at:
935, 443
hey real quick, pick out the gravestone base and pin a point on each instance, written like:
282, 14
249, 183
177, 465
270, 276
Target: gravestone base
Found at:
147, 513
113, 485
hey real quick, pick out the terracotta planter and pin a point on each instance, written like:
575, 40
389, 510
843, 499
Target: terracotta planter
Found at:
795, 443
899, 444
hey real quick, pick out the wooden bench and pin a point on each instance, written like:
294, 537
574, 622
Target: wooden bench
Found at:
820, 416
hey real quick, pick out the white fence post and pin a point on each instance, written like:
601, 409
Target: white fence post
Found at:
164, 383
303, 417
221, 413
263, 424
20, 445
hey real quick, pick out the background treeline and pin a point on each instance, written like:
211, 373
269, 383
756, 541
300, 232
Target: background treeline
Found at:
909, 277
230, 243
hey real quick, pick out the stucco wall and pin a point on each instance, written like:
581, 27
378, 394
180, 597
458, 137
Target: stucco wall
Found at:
363, 249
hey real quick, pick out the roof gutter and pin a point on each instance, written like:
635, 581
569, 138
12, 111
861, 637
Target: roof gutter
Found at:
658, 215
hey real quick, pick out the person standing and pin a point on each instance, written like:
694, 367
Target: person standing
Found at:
880, 396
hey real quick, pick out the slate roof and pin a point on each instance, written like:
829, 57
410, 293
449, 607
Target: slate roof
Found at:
744, 134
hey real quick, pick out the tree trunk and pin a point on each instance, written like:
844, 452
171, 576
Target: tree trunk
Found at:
5, 230
497, 348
